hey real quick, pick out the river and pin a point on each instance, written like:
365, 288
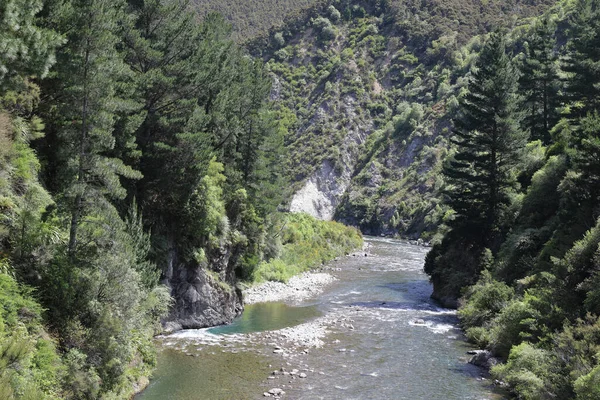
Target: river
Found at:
374, 333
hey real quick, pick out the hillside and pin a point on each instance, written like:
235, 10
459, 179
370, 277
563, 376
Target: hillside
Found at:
252, 18
368, 89
413, 118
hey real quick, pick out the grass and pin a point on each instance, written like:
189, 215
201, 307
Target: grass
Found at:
307, 244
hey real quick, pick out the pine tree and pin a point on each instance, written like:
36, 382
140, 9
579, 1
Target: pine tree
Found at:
582, 63
87, 78
27, 48
481, 174
540, 82
489, 145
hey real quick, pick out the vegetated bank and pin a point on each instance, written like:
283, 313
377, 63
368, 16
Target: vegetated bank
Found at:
306, 244
140, 174
522, 248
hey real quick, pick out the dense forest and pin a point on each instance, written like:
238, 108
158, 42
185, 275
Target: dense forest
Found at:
139, 156
369, 90
522, 245
149, 149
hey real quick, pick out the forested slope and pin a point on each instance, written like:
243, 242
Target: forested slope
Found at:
251, 18
521, 248
368, 90
140, 175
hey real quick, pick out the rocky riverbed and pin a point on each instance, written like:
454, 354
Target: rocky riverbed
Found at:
296, 289
361, 327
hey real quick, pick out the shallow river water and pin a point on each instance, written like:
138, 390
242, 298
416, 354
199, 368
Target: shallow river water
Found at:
374, 333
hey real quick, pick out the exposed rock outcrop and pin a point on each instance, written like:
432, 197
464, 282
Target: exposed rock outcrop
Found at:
203, 296
483, 359
322, 192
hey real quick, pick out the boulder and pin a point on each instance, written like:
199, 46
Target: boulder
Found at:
483, 359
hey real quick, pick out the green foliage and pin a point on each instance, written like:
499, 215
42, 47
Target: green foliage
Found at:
484, 300
526, 371
540, 80
490, 144
253, 19
515, 323
307, 244
28, 49
206, 208
587, 387
30, 364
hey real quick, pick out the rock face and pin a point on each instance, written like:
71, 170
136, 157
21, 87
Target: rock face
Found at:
323, 191
446, 300
203, 297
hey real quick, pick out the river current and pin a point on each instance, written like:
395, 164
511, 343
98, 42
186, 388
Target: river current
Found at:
374, 333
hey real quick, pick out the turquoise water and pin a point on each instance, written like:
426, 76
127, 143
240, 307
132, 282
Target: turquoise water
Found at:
267, 317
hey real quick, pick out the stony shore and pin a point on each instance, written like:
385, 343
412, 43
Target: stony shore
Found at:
298, 288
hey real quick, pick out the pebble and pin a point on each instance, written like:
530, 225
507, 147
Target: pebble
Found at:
298, 287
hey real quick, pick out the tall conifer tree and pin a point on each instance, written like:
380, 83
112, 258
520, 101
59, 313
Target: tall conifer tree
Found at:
489, 144
482, 173
540, 82
89, 71
582, 63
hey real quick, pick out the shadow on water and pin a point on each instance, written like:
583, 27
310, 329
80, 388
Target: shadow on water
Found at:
420, 288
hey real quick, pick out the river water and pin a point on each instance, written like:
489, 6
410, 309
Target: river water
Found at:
372, 334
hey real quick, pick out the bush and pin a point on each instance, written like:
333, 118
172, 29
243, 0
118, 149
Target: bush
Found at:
483, 301
527, 372
514, 323
306, 244
587, 387
334, 14
278, 39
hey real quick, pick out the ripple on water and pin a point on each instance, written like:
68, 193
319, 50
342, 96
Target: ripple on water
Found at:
397, 342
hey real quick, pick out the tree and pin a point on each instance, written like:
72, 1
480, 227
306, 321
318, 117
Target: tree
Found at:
85, 89
27, 48
489, 146
540, 81
582, 64
481, 175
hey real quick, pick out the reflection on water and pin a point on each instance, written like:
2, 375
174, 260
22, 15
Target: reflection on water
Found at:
267, 317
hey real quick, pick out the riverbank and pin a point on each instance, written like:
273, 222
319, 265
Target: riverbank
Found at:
297, 288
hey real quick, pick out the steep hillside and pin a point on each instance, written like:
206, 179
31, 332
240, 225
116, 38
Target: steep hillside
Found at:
251, 18
368, 89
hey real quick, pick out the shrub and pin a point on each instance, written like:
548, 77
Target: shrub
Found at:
306, 244
512, 325
484, 300
587, 387
278, 39
527, 371
334, 14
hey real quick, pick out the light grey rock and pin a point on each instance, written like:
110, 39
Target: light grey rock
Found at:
483, 359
